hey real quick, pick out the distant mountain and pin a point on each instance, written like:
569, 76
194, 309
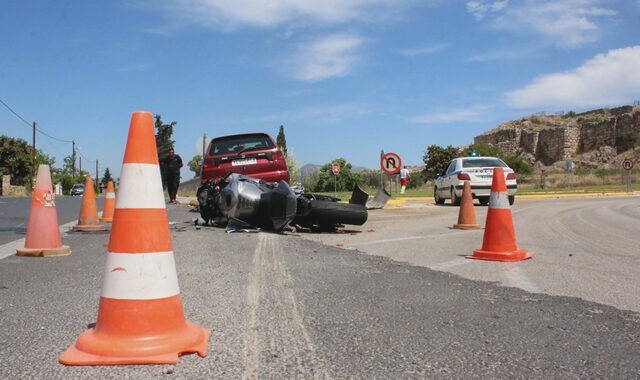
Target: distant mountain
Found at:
312, 168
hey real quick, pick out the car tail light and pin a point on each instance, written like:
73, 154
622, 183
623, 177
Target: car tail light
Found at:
208, 163
511, 176
464, 177
277, 155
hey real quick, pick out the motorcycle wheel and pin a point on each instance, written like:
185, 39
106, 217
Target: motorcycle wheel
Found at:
327, 212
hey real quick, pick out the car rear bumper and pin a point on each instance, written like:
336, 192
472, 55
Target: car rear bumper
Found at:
485, 190
273, 176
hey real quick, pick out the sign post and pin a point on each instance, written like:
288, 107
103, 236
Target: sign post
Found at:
335, 169
627, 164
390, 163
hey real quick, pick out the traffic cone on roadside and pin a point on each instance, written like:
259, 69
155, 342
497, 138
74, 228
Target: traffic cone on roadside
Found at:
467, 214
88, 220
499, 242
140, 316
109, 203
43, 233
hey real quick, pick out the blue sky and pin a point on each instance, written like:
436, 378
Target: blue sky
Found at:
347, 78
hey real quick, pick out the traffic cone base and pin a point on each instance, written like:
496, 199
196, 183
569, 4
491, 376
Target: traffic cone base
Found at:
517, 255
89, 227
44, 252
91, 348
466, 226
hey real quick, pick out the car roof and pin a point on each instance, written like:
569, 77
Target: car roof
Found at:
241, 135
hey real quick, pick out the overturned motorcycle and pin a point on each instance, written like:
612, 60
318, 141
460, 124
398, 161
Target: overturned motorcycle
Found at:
238, 201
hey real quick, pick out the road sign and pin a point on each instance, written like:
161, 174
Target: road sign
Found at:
390, 163
335, 168
627, 164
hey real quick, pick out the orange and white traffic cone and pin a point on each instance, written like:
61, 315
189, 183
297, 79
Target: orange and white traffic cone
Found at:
43, 233
109, 203
467, 214
140, 317
88, 220
499, 242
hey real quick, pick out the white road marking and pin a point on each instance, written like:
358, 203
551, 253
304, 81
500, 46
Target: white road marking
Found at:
450, 264
515, 276
416, 237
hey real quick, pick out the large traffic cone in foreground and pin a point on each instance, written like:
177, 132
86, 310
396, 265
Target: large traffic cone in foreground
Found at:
43, 233
109, 203
88, 220
466, 214
140, 317
499, 242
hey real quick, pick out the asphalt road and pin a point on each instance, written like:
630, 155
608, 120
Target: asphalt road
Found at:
583, 247
14, 214
285, 306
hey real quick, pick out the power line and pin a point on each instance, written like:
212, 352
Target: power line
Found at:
29, 124
15, 113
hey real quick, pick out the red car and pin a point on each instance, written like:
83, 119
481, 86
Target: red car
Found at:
253, 154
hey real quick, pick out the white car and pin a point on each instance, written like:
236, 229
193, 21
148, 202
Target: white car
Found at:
479, 172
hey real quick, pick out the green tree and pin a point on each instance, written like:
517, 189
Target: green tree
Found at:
164, 143
325, 181
483, 150
65, 177
294, 169
515, 162
436, 159
369, 178
518, 164
281, 140
16, 159
195, 164
106, 178
310, 181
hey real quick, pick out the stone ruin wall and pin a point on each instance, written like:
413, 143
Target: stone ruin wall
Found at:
549, 144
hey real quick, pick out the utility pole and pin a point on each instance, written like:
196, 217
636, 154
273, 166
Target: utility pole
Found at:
80, 161
97, 183
73, 158
33, 154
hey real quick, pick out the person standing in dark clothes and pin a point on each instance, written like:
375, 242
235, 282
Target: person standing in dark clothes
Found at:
172, 165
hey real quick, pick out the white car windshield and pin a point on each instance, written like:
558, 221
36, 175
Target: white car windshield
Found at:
482, 163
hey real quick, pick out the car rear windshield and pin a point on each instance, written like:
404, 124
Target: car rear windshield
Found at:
242, 143
482, 163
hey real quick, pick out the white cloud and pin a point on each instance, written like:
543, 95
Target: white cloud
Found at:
332, 56
480, 8
269, 13
568, 23
455, 115
607, 79
424, 50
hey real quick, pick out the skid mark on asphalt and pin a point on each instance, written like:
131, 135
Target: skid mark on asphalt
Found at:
276, 343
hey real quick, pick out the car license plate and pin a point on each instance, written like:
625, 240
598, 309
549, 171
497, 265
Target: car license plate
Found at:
247, 161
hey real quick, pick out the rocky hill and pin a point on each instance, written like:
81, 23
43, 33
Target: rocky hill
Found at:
598, 138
